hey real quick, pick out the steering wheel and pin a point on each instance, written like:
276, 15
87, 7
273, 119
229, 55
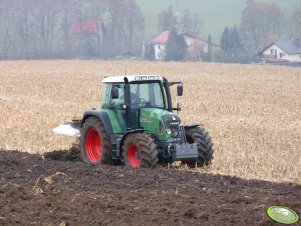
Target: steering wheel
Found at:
138, 101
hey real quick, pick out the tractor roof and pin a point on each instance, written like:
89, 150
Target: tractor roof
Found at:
132, 78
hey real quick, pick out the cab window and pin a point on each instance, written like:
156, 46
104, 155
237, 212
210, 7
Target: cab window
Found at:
118, 102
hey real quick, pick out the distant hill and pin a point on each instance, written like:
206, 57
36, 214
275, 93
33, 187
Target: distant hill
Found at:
216, 14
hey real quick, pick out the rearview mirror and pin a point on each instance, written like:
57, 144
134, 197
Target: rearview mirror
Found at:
115, 92
180, 89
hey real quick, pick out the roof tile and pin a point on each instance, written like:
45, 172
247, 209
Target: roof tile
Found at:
161, 38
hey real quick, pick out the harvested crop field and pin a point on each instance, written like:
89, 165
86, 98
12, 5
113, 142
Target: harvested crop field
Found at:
251, 111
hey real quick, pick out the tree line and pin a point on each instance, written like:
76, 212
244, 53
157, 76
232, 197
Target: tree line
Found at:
261, 24
35, 29
42, 29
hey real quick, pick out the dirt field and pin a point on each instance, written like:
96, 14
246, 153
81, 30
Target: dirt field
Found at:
37, 191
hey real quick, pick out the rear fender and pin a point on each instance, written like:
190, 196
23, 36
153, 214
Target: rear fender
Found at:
102, 116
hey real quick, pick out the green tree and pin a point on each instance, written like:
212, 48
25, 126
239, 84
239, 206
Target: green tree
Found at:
232, 47
149, 52
235, 40
209, 54
225, 39
231, 41
175, 47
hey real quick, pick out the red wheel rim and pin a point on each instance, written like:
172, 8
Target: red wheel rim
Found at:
133, 156
93, 145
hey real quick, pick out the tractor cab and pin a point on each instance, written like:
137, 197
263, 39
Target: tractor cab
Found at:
132, 96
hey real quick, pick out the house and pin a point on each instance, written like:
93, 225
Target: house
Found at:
88, 37
159, 44
87, 27
282, 52
196, 46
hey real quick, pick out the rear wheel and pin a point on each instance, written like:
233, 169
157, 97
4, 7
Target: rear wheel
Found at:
140, 151
95, 143
205, 151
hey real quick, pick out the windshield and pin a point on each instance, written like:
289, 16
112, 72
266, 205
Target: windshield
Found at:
142, 95
146, 95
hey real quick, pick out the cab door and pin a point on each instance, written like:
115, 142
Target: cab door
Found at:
116, 104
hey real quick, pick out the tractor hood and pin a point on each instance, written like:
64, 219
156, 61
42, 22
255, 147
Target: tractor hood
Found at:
159, 121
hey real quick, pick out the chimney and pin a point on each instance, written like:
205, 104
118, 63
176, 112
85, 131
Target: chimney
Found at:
297, 42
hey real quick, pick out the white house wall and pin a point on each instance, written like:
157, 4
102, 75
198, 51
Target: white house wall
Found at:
189, 41
289, 57
159, 51
295, 57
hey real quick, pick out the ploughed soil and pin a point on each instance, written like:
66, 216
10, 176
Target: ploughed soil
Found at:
58, 190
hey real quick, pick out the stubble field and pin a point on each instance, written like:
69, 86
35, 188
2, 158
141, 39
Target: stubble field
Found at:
252, 112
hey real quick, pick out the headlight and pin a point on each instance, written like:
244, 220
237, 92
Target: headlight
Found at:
171, 125
168, 131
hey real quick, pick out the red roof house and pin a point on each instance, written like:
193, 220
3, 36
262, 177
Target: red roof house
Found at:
196, 46
161, 38
86, 26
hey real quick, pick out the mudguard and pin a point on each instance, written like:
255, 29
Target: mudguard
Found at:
120, 143
102, 116
191, 126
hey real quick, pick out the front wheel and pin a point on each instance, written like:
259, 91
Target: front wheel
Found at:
95, 143
205, 150
139, 151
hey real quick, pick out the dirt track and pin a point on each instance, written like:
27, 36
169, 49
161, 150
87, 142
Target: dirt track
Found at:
38, 191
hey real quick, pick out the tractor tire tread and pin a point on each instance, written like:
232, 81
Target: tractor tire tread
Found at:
204, 143
147, 147
106, 155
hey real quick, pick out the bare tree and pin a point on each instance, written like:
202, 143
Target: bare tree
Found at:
167, 20
68, 15
296, 21
125, 26
190, 23
260, 21
43, 29
15, 19
45, 16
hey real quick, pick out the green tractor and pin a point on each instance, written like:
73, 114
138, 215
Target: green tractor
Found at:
136, 126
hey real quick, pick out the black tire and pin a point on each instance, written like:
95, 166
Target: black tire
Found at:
140, 151
95, 143
205, 147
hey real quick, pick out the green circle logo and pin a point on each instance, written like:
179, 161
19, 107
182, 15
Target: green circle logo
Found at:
282, 214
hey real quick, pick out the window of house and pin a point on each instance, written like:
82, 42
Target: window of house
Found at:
282, 55
272, 51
